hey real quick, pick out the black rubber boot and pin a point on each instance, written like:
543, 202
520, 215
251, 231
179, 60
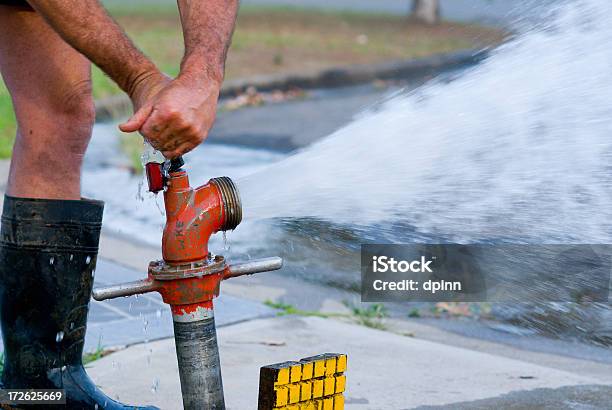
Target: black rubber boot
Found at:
48, 252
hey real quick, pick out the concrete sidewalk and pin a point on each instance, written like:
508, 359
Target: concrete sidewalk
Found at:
385, 370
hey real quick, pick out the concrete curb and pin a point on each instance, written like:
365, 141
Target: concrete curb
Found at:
385, 370
118, 105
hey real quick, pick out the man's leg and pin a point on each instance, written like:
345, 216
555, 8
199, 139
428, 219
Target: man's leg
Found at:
49, 237
50, 84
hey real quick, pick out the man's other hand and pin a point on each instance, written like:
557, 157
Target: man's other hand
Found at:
175, 116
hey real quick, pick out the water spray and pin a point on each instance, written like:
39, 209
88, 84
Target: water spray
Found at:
189, 276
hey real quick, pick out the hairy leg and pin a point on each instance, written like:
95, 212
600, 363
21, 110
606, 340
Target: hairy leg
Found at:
50, 85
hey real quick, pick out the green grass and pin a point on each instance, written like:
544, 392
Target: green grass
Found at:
414, 313
286, 309
7, 123
95, 355
131, 146
371, 316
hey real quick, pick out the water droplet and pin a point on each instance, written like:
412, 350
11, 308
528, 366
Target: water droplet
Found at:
96, 406
71, 256
71, 325
139, 195
51, 260
64, 368
155, 385
226, 242
59, 336
159, 207
88, 260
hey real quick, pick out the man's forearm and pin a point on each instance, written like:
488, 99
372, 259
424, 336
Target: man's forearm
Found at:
207, 31
86, 26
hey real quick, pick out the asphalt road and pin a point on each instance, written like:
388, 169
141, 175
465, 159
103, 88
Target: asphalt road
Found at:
461, 10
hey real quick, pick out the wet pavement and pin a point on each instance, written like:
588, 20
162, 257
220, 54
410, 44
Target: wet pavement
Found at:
295, 124
129, 320
385, 370
569, 397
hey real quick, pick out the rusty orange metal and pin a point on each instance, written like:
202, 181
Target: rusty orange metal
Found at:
191, 308
188, 287
189, 276
192, 216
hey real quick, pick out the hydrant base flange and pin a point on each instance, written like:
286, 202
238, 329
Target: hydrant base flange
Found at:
160, 270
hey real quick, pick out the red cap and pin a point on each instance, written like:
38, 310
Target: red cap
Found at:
155, 177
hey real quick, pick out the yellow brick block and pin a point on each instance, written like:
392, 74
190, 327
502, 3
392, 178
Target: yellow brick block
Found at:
305, 391
309, 405
317, 389
313, 383
282, 377
338, 402
281, 396
341, 363
329, 386
330, 366
319, 368
340, 384
296, 373
318, 404
294, 393
307, 371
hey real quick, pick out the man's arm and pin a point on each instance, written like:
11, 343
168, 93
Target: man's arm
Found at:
86, 26
182, 114
207, 31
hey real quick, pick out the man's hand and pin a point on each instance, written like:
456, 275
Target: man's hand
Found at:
177, 118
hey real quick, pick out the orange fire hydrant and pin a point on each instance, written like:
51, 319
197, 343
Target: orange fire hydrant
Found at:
189, 276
